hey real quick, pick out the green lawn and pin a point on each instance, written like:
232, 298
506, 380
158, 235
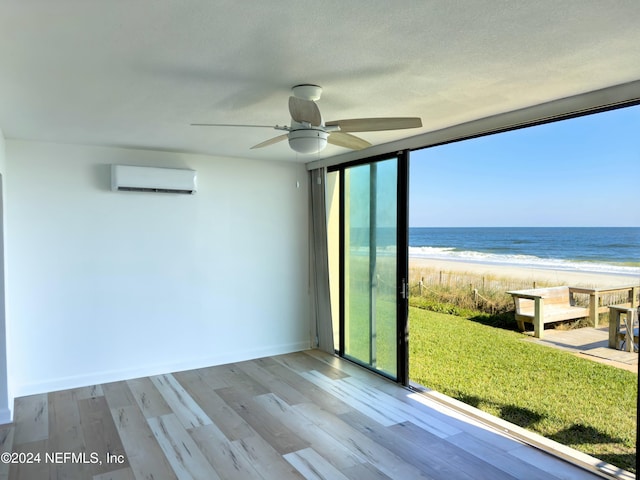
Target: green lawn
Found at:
583, 404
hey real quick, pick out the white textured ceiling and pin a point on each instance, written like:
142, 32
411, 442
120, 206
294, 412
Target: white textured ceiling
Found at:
137, 73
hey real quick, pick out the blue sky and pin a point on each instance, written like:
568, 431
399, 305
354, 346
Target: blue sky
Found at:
579, 172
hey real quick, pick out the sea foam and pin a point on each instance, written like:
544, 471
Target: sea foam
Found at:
529, 261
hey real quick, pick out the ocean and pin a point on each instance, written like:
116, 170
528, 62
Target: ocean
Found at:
614, 250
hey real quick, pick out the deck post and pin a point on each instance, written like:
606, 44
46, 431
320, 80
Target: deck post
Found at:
538, 325
594, 300
633, 295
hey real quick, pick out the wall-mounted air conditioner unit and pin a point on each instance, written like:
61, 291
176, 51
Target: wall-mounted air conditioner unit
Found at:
152, 179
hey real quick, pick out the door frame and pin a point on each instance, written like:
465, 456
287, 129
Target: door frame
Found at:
402, 262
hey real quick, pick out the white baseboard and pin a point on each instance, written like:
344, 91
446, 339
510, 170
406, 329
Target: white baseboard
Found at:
95, 378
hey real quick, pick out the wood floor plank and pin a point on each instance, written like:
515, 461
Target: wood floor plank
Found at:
300, 362
464, 423
265, 362
145, 456
396, 408
227, 458
319, 440
346, 369
235, 377
314, 393
31, 418
100, 434
272, 383
270, 463
118, 395
67, 435
186, 409
65, 429
350, 369
364, 404
148, 398
499, 459
123, 474
213, 376
180, 449
380, 457
269, 428
426, 451
82, 393
313, 466
6, 437
556, 469
6, 445
364, 471
225, 417
31, 471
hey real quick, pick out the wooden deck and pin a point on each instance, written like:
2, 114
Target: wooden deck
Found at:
302, 415
590, 343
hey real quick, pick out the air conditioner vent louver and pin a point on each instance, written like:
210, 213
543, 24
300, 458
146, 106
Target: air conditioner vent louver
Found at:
153, 190
128, 178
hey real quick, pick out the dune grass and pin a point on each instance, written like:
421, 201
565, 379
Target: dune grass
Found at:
583, 404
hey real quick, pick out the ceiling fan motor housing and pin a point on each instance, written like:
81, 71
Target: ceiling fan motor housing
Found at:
308, 140
307, 91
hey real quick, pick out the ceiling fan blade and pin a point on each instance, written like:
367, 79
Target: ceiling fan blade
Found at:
305, 111
232, 125
346, 140
271, 141
376, 124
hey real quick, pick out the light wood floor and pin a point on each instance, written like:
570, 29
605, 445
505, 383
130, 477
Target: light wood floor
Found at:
302, 415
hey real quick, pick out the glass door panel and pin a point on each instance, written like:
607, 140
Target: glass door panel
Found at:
370, 284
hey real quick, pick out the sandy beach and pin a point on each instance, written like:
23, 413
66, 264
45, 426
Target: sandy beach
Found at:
561, 277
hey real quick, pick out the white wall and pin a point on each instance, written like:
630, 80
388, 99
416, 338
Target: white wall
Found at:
5, 408
105, 285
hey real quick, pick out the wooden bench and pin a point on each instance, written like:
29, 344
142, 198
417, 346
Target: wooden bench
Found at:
546, 305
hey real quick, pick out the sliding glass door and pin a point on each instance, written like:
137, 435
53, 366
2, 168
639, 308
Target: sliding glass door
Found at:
373, 265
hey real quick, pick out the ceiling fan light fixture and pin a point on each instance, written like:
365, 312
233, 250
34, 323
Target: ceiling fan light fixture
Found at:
308, 140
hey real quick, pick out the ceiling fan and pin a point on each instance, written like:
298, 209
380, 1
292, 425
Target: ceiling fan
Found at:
309, 133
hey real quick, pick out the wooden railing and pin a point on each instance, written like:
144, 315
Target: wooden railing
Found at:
596, 295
